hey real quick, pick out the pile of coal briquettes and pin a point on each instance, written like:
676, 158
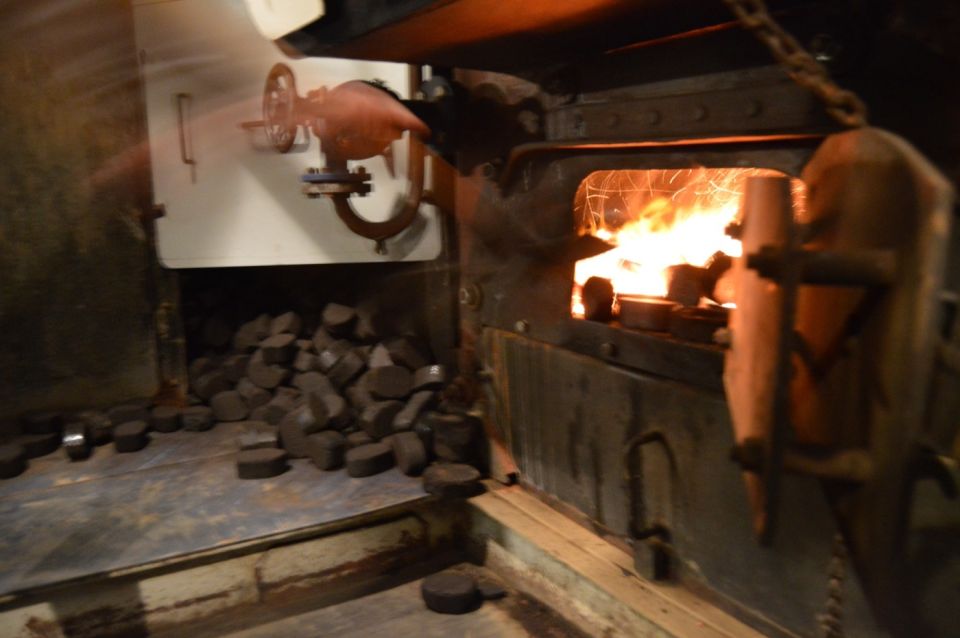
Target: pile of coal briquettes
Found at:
339, 395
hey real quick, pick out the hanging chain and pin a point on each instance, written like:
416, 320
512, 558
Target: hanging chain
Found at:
831, 621
842, 105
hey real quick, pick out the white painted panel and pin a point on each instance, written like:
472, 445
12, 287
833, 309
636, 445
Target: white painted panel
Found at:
276, 18
241, 203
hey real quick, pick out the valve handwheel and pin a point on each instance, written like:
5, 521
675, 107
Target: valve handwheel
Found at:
279, 108
353, 121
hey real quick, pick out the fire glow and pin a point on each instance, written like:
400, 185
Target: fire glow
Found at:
656, 219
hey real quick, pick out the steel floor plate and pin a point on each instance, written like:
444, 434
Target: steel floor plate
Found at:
180, 496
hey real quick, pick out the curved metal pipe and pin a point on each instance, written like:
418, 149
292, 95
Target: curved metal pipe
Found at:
406, 208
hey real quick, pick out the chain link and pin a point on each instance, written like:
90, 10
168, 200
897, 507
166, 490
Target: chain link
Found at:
831, 621
842, 105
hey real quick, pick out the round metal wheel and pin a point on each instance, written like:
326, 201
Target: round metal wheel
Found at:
279, 106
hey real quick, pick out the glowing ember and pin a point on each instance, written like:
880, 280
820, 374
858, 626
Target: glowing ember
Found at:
657, 219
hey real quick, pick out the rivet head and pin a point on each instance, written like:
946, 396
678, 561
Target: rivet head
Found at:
608, 349
470, 296
825, 48
522, 326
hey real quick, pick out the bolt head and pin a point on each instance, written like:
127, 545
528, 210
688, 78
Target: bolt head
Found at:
825, 48
470, 296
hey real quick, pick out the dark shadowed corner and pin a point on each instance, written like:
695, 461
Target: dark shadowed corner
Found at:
72, 251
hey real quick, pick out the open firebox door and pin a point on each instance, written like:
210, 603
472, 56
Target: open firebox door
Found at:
835, 341
261, 159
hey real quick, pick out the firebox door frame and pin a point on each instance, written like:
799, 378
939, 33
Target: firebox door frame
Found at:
529, 233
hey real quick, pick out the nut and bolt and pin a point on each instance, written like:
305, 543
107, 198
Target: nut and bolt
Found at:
529, 121
825, 48
471, 296
492, 168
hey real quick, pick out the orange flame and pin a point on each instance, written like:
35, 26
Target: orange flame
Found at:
656, 219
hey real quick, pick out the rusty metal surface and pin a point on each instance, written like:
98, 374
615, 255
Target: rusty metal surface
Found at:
487, 35
569, 421
757, 363
509, 240
873, 391
62, 522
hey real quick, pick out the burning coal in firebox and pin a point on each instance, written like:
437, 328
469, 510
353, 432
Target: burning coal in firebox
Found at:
665, 225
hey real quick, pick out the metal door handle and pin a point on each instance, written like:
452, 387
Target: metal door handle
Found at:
186, 155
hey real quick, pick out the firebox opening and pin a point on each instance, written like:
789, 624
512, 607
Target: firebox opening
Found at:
672, 245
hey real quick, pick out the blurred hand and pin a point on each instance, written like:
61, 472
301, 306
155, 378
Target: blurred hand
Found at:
359, 121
